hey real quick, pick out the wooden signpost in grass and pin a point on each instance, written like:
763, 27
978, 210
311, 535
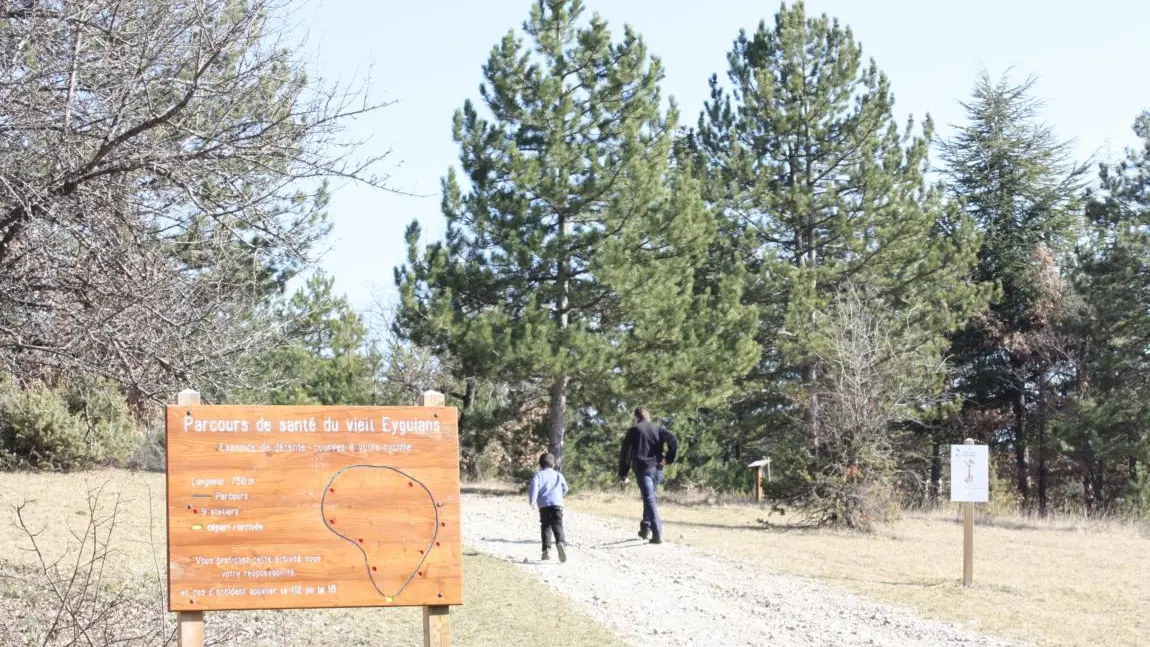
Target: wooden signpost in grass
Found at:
292, 507
759, 465
969, 484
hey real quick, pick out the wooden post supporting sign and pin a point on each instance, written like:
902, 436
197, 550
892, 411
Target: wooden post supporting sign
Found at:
969, 484
758, 465
436, 627
191, 623
967, 544
305, 507
436, 622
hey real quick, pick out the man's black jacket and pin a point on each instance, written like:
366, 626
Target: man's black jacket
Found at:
645, 447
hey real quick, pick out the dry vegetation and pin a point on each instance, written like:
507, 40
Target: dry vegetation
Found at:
1057, 582
503, 605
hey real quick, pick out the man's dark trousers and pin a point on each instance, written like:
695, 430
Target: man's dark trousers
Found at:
551, 522
648, 484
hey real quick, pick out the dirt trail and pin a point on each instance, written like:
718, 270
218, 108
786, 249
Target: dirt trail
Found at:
672, 595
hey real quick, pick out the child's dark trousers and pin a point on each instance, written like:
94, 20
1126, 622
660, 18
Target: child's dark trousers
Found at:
551, 522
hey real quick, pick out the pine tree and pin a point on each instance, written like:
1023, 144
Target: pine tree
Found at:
1019, 184
817, 184
569, 258
328, 357
1114, 280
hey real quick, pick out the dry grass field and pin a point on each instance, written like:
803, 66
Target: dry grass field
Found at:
503, 605
1055, 582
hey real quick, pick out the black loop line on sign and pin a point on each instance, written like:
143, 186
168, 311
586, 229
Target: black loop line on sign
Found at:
366, 561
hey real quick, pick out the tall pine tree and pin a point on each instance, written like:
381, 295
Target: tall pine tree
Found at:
570, 256
817, 184
1019, 184
1114, 370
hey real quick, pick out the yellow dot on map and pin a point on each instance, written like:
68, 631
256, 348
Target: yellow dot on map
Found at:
389, 598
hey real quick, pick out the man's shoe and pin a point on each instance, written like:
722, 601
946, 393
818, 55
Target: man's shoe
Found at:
656, 539
644, 533
546, 555
562, 552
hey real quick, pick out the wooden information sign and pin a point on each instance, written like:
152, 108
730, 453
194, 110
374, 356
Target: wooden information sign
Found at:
281, 507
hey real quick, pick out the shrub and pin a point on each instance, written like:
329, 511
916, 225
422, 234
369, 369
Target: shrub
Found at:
81, 424
152, 452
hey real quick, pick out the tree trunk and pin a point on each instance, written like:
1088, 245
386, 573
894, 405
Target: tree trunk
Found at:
1087, 496
1042, 466
739, 437
557, 410
810, 374
468, 442
558, 413
935, 473
1098, 483
1021, 449
11, 226
806, 249
469, 396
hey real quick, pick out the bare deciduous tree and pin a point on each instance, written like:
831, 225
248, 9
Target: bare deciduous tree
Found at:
163, 167
878, 371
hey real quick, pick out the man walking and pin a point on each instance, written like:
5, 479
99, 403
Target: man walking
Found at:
647, 447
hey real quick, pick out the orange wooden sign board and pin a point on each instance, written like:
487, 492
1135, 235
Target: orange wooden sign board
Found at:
280, 507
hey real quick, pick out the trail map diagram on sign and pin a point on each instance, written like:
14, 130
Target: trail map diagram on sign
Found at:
353, 519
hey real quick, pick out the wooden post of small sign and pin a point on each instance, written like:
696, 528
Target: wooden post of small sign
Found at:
758, 465
436, 621
968, 537
191, 623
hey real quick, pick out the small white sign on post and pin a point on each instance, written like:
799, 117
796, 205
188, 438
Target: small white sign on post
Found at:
969, 473
969, 484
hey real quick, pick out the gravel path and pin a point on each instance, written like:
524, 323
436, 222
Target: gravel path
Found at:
673, 595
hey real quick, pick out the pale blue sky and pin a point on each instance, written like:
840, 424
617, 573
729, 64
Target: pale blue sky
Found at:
427, 57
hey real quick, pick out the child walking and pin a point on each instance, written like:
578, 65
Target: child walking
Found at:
546, 490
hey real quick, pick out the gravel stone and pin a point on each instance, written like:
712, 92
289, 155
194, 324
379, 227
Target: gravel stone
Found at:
690, 597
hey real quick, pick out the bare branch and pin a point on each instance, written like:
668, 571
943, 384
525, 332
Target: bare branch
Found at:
163, 169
